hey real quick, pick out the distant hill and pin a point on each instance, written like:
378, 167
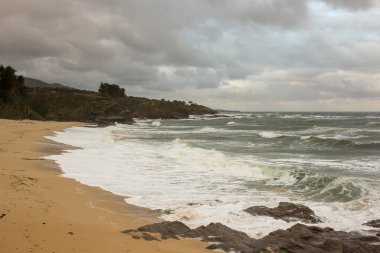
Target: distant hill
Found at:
35, 83
31, 98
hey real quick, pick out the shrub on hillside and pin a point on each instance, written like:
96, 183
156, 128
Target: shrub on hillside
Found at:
111, 90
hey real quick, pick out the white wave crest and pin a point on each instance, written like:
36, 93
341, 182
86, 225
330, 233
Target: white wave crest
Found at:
156, 123
270, 135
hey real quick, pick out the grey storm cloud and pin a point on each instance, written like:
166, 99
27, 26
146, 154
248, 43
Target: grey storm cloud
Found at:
354, 5
246, 54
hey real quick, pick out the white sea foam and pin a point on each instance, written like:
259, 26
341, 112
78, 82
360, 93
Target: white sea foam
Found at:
156, 123
270, 135
168, 176
162, 175
206, 130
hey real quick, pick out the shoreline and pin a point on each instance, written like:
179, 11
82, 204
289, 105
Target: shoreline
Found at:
50, 147
45, 212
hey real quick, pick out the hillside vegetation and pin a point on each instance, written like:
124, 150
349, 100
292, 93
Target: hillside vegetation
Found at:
108, 105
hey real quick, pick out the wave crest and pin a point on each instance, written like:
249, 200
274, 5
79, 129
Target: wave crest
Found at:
320, 187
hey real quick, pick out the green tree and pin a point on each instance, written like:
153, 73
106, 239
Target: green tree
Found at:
111, 90
10, 84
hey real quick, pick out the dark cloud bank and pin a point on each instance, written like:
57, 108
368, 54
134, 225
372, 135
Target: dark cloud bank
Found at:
248, 55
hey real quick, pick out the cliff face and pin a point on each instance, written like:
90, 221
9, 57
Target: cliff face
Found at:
72, 105
87, 106
163, 109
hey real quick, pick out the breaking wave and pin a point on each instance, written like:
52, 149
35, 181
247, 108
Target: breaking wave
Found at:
326, 188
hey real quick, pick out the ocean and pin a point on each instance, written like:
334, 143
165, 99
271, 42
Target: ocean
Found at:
210, 168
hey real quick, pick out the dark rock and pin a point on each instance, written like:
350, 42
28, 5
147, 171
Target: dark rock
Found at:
110, 120
297, 239
149, 237
2, 215
373, 223
129, 231
164, 211
167, 229
136, 237
301, 238
287, 212
378, 234
212, 247
220, 235
194, 204
166, 237
168, 211
227, 239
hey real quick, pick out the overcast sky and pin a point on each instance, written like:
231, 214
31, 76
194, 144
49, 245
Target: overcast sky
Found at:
263, 55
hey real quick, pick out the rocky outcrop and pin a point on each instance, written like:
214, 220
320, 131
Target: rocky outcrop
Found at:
110, 120
373, 223
166, 229
301, 238
297, 239
286, 211
222, 237
219, 235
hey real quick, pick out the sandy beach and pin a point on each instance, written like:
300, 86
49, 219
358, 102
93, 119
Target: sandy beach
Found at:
43, 212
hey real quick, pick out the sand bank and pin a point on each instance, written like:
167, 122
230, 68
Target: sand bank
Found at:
43, 212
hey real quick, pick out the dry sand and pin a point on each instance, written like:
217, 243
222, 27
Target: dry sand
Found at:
43, 212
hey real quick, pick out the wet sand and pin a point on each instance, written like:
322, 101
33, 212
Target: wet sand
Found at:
41, 211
